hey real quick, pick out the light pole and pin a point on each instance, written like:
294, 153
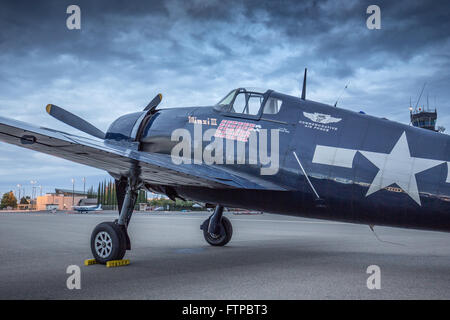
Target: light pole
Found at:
84, 186
19, 186
33, 190
73, 192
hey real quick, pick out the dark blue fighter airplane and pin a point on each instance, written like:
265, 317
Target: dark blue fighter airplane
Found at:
309, 159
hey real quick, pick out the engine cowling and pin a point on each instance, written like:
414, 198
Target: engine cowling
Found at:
129, 127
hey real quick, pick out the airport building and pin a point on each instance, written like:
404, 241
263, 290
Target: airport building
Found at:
62, 199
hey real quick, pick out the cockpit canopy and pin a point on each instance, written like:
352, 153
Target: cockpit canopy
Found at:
248, 101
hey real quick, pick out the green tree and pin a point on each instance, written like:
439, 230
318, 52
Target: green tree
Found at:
114, 195
24, 201
102, 191
8, 200
111, 194
98, 195
90, 193
108, 193
105, 192
141, 198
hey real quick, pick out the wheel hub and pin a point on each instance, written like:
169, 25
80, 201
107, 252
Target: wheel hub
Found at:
103, 244
214, 236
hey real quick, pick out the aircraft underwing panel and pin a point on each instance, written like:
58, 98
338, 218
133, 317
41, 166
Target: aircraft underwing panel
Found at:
120, 159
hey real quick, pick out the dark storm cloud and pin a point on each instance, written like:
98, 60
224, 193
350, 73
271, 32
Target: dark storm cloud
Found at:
41, 26
196, 51
419, 22
331, 29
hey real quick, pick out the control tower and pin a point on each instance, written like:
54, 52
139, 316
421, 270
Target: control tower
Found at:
425, 119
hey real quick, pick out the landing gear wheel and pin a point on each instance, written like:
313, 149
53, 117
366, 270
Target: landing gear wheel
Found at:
221, 239
108, 242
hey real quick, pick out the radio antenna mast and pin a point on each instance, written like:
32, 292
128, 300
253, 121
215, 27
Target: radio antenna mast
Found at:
342, 92
303, 97
420, 96
304, 85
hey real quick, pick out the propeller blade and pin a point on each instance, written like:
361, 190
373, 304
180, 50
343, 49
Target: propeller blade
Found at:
74, 121
154, 103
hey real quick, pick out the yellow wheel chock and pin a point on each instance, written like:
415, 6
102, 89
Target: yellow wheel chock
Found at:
109, 264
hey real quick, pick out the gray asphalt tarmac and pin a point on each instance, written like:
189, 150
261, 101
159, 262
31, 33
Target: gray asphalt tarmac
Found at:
269, 257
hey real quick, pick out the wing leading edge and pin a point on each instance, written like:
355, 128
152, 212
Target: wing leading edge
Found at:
121, 158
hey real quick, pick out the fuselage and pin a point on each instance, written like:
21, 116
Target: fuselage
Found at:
361, 168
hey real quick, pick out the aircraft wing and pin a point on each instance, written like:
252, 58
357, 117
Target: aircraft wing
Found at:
119, 158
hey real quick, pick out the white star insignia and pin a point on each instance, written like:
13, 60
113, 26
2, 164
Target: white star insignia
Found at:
396, 167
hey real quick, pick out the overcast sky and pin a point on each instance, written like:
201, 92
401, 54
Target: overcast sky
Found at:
194, 52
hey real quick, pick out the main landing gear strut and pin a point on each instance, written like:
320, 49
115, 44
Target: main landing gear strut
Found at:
217, 229
110, 240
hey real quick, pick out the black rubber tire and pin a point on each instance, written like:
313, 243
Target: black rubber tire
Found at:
226, 232
117, 240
